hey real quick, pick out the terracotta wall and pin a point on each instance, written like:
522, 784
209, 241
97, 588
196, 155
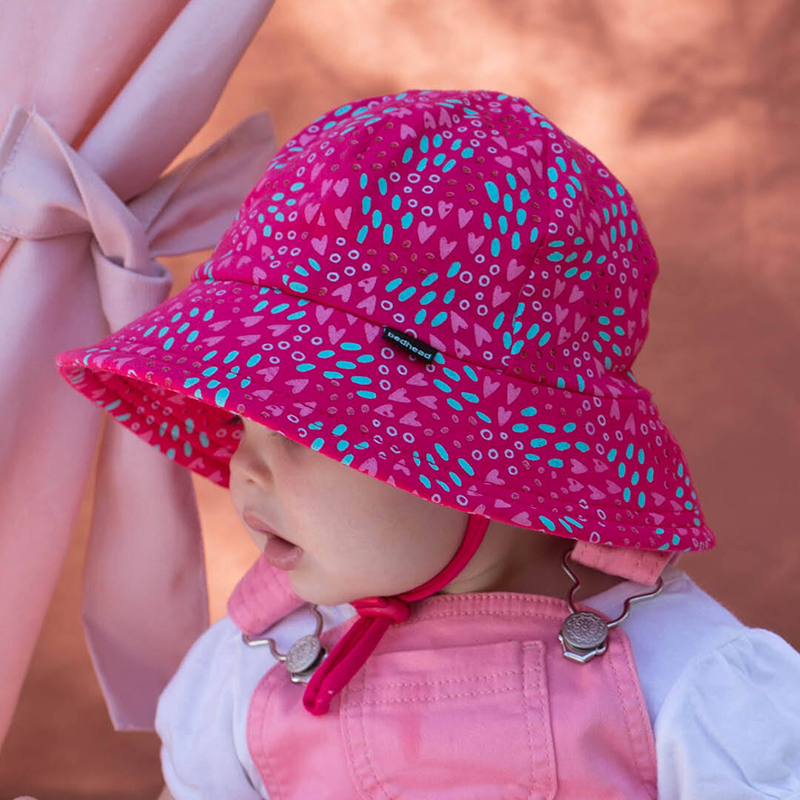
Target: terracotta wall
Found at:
694, 107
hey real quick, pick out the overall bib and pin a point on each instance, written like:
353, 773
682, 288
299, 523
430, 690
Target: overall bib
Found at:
470, 698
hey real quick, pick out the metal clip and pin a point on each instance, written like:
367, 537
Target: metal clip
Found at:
584, 634
304, 656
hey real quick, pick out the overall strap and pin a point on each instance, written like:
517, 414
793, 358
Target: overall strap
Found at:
262, 597
641, 566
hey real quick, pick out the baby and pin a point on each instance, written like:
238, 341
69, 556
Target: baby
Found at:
361, 537
409, 360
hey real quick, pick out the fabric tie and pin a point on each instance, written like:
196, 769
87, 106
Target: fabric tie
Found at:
376, 614
49, 195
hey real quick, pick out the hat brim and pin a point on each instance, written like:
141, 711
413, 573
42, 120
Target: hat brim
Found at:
453, 432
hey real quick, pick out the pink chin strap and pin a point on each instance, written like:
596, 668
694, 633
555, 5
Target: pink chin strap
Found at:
376, 614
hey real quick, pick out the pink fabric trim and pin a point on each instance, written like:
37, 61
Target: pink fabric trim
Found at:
642, 566
376, 614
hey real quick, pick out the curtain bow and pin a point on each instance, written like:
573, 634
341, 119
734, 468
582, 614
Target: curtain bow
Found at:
144, 584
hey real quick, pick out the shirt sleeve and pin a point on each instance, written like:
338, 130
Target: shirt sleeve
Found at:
730, 725
195, 719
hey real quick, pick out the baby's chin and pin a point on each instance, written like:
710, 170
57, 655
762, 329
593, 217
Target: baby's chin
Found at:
313, 594
320, 595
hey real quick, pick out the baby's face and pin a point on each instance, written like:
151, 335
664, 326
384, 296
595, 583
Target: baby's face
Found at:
360, 536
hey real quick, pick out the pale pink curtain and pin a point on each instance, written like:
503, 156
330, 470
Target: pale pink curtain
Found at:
96, 100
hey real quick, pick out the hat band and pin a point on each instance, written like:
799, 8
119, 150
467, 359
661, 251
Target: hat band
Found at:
376, 614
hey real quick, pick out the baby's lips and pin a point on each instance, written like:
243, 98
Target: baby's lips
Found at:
257, 524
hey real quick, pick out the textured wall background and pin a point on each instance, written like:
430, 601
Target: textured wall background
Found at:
694, 106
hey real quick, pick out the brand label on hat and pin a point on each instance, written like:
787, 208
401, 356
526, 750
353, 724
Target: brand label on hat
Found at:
409, 343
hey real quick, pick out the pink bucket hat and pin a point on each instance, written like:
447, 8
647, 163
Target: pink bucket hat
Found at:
441, 289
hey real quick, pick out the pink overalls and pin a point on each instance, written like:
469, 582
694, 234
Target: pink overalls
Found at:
470, 698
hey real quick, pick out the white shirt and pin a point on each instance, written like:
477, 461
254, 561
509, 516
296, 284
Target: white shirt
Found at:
723, 699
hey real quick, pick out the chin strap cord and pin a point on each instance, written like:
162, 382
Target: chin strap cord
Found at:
376, 614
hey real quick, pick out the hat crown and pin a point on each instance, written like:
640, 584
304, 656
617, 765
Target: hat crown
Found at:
466, 219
